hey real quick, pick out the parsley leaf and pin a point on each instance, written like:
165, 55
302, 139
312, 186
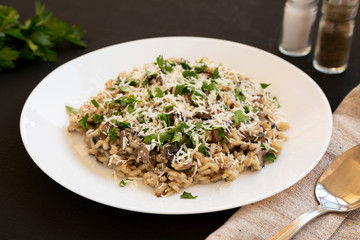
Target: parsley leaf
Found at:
83, 122
187, 195
200, 69
216, 73
264, 85
36, 38
182, 89
188, 74
151, 96
112, 134
164, 117
71, 110
98, 118
122, 125
164, 65
210, 87
159, 93
124, 101
117, 81
162, 137
239, 117
185, 65
198, 125
203, 150
130, 108
271, 157
275, 100
239, 94
122, 89
95, 103
168, 107
221, 132
122, 183
178, 137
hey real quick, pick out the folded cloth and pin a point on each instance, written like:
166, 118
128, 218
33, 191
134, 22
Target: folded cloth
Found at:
264, 219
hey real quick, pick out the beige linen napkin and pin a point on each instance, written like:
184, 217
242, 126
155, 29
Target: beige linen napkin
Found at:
264, 219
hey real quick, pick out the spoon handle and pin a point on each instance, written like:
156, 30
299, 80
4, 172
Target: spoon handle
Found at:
298, 223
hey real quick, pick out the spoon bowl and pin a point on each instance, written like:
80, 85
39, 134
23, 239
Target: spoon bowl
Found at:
337, 190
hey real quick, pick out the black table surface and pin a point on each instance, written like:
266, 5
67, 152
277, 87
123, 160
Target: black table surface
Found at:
32, 205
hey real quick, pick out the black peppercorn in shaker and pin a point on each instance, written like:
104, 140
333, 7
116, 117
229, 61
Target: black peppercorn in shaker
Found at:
335, 33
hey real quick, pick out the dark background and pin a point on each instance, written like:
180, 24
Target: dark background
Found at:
33, 206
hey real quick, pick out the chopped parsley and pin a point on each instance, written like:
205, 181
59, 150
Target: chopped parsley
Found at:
98, 118
183, 89
132, 82
124, 101
117, 81
200, 69
112, 134
264, 85
210, 87
151, 96
159, 93
239, 117
270, 157
239, 94
216, 73
164, 65
95, 103
169, 107
164, 117
161, 136
198, 125
188, 74
122, 125
222, 133
83, 122
130, 108
185, 66
187, 195
275, 100
203, 150
122, 183
71, 110
178, 137
122, 89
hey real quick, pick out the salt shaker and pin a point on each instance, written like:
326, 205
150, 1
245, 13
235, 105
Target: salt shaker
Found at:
299, 16
335, 33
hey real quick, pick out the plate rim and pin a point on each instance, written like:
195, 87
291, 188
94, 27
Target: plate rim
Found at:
182, 212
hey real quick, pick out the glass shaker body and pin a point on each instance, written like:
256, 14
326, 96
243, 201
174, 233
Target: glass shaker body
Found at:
299, 16
335, 33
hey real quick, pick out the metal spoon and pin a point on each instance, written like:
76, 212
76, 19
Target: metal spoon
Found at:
337, 190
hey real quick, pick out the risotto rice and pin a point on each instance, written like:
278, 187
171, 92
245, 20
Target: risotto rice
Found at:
178, 122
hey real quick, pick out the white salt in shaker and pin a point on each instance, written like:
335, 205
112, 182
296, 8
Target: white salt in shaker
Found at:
299, 16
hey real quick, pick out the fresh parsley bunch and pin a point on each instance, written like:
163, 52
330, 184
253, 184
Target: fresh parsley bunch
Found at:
35, 38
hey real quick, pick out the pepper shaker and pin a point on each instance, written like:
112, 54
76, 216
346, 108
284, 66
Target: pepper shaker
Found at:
335, 33
299, 16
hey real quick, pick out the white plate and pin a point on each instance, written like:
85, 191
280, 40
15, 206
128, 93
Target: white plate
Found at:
60, 155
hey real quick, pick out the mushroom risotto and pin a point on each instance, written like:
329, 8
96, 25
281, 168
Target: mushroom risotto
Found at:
179, 122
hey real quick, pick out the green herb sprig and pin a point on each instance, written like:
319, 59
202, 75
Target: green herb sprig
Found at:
35, 38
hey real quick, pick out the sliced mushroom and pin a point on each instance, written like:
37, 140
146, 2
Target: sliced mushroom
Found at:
203, 115
261, 116
121, 137
261, 157
261, 137
215, 135
170, 153
143, 154
99, 136
159, 79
